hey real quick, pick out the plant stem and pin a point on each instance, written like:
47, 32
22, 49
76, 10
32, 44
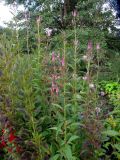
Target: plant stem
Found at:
39, 38
75, 64
65, 114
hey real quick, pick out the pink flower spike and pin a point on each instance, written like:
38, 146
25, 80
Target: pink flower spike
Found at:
49, 32
74, 13
98, 46
89, 45
57, 90
55, 77
63, 61
85, 78
38, 20
53, 57
53, 84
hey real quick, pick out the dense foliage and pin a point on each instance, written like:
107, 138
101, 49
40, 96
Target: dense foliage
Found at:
60, 82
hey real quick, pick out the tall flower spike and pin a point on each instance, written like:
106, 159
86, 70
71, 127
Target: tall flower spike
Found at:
98, 46
53, 57
63, 62
38, 20
53, 84
57, 90
89, 45
55, 77
74, 13
49, 32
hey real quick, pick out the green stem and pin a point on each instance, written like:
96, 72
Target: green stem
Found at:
75, 65
65, 114
98, 64
39, 38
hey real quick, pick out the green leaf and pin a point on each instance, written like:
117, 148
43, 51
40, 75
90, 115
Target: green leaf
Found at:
55, 157
68, 152
73, 138
68, 105
57, 106
117, 146
78, 97
54, 128
111, 133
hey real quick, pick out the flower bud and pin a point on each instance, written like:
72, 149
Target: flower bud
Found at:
98, 110
38, 20
85, 78
102, 93
53, 57
63, 62
98, 46
49, 32
89, 45
85, 57
92, 86
74, 13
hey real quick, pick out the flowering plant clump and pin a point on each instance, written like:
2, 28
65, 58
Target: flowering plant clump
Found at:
53, 61
58, 64
8, 141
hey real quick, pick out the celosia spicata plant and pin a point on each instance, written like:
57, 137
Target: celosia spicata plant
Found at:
52, 95
57, 63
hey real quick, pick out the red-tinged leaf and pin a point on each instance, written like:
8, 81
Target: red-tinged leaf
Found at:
12, 137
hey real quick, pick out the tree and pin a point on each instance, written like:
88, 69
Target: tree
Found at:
116, 5
56, 12
91, 22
